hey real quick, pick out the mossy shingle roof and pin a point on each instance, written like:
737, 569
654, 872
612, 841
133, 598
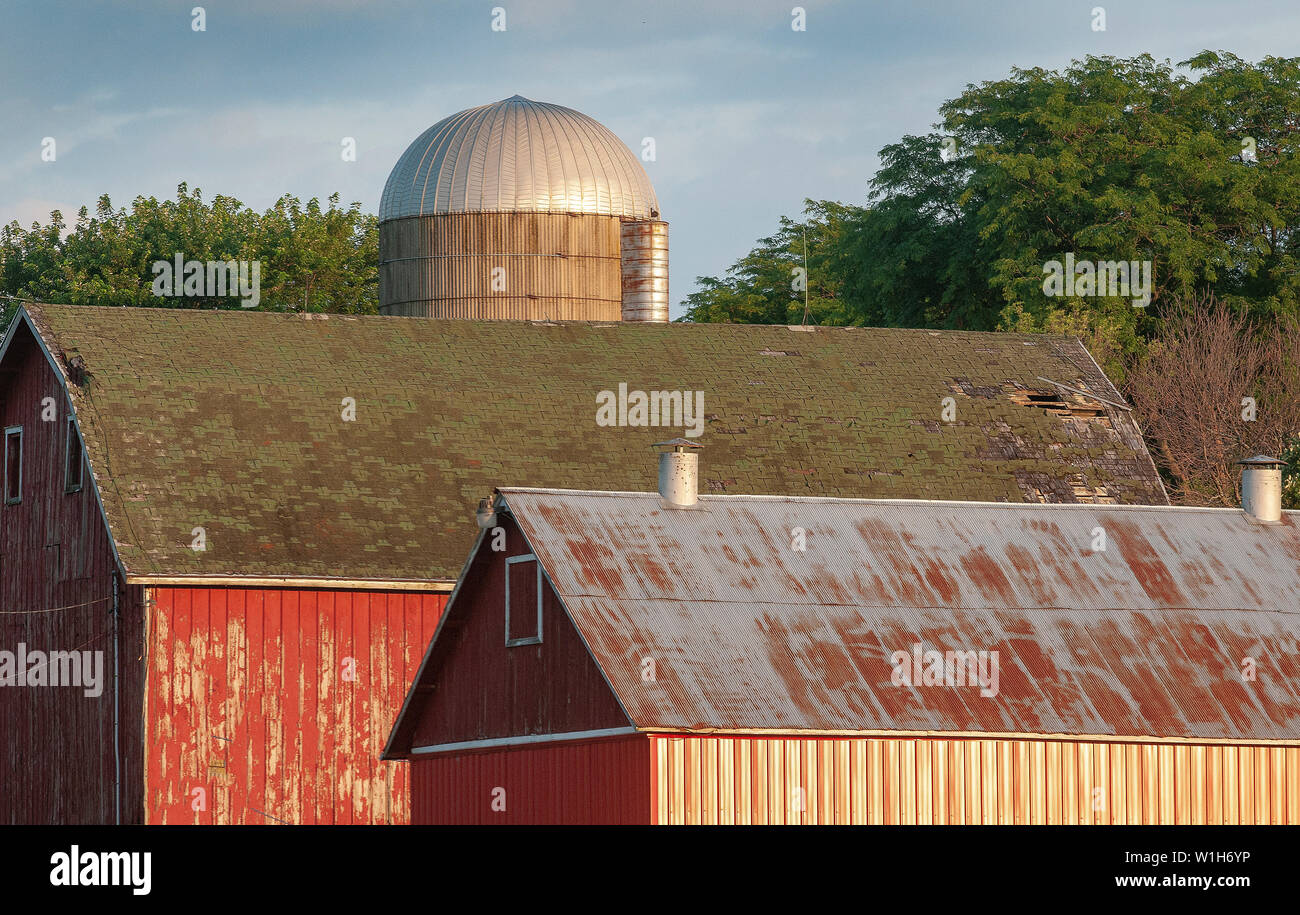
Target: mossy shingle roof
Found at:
233, 421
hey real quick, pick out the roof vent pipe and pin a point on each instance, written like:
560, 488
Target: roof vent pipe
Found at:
1261, 487
679, 473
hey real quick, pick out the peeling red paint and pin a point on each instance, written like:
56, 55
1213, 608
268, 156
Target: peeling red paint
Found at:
249, 702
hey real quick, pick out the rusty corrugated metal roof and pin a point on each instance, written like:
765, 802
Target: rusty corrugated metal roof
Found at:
1146, 637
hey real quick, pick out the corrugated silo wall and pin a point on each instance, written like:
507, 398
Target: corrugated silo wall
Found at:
645, 270
556, 266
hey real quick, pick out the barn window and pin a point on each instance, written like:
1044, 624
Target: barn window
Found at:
13, 465
523, 601
72, 471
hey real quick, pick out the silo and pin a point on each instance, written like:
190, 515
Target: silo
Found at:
520, 210
645, 270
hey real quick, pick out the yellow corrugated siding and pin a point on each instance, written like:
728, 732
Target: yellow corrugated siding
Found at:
905, 780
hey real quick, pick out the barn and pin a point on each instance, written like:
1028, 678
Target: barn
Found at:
258, 518
255, 520
654, 658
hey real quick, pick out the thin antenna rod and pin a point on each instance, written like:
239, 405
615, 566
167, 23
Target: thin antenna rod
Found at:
804, 322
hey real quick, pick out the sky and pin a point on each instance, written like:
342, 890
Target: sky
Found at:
749, 116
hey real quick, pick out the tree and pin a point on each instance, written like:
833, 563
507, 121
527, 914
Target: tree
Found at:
911, 259
1216, 387
766, 286
311, 258
1111, 160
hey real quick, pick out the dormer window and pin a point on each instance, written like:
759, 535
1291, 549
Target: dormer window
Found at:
523, 601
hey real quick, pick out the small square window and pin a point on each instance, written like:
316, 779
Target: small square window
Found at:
523, 601
73, 469
13, 465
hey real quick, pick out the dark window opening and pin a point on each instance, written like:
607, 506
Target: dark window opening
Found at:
13, 465
523, 601
73, 473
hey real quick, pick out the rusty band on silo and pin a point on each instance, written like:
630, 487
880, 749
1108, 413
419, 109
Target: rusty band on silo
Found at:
645, 270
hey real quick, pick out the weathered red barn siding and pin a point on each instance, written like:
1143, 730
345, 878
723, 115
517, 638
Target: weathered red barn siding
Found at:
487, 689
248, 701
922, 780
56, 594
595, 782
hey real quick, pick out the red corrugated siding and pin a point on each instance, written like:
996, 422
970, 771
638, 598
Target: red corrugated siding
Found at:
595, 782
247, 700
57, 747
486, 689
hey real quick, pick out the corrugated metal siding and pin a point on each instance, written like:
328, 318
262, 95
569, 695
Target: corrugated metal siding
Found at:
247, 700
1143, 639
57, 747
561, 267
589, 783
916, 781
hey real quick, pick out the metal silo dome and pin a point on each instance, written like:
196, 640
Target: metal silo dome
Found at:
521, 210
518, 156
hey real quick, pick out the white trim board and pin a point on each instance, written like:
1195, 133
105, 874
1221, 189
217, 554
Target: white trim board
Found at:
495, 742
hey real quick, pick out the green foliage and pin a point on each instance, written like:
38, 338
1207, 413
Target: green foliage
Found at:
1128, 160
914, 255
1108, 160
312, 258
1291, 475
765, 286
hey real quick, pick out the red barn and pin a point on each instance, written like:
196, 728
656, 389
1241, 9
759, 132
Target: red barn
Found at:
620, 657
257, 518
229, 699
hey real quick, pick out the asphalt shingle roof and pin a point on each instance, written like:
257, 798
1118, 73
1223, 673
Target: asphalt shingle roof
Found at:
233, 421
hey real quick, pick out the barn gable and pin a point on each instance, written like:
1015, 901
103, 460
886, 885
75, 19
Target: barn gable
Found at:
34, 393
315, 446
59, 591
481, 682
1141, 634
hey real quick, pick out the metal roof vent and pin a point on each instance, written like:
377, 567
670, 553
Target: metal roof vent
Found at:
1261, 487
679, 473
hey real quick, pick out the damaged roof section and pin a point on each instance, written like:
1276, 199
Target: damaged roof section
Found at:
1104, 620
235, 422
